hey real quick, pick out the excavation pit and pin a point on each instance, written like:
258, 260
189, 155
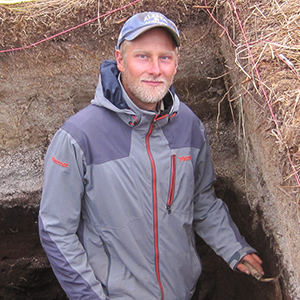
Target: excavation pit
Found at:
42, 86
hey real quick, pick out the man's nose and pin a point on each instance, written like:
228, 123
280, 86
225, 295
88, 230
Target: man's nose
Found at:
154, 68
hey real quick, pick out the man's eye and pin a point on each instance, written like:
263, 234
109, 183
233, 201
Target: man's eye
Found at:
142, 56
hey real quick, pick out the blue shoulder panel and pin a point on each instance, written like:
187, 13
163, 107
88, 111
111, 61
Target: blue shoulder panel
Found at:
185, 130
100, 133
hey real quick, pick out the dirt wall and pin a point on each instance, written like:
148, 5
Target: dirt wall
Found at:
268, 180
42, 86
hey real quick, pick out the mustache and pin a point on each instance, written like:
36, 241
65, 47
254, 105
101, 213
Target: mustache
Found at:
154, 79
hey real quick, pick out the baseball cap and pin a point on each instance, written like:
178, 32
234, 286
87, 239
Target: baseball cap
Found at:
142, 22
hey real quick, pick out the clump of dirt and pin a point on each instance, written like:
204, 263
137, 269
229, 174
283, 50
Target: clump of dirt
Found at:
40, 87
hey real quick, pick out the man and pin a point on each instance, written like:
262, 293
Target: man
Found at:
129, 179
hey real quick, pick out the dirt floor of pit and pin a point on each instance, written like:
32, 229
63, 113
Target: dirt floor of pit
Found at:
42, 86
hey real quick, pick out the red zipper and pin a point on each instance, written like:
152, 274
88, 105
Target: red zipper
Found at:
154, 209
172, 184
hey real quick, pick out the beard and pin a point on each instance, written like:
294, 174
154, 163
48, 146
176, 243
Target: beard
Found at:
145, 93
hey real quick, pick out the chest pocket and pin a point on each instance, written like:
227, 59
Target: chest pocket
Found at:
181, 185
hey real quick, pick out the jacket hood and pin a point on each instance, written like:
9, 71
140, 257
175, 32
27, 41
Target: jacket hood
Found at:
109, 92
109, 86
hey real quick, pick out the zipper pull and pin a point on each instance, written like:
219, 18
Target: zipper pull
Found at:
168, 208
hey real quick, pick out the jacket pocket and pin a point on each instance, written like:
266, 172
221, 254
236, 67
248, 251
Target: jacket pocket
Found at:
172, 184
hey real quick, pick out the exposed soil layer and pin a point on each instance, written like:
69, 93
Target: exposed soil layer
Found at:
41, 87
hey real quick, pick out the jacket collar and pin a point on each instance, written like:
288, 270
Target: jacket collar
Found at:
111, 94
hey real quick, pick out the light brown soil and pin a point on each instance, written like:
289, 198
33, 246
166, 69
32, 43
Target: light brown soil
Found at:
41, 87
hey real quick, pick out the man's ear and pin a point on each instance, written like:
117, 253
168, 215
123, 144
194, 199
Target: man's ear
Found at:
177, 62
120, 60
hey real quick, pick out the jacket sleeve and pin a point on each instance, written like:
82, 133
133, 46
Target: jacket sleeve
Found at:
212, 221
59, 219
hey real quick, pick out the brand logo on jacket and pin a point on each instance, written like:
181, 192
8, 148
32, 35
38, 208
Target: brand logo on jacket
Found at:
59, 162
184, 158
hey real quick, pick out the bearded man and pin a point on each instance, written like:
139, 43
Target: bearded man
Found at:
129, 181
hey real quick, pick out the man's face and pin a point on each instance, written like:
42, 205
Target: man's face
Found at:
148, 65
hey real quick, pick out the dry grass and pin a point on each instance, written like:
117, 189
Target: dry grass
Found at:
273, 32
272, 29
27, 22
34, 8
51, 11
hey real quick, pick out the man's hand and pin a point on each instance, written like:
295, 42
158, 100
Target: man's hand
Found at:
251, 264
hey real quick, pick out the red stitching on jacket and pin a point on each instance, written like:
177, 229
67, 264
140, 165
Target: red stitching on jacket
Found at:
59, 162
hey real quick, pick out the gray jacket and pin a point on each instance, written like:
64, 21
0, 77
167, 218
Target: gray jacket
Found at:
125, 190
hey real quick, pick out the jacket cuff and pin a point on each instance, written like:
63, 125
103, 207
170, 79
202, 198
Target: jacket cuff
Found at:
237, 256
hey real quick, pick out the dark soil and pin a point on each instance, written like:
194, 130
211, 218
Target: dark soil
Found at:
41, 87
